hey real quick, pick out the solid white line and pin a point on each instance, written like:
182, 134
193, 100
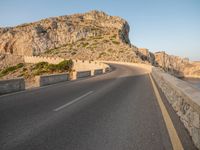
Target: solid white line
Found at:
73, 101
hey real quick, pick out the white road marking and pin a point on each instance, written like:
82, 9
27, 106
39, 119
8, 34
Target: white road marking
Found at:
73, 101
176, 142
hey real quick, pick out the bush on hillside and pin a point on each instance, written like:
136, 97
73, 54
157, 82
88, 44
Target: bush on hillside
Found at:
65, 65
10, 69
45, 67
116, 42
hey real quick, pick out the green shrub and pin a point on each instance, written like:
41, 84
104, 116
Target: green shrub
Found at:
41, 65
65, 65
73, 53
44, 67
39, 72
10, 69
105, 41
20, 65
85, 44
114, 36
52, 67
98, 37
116, 42
102, 54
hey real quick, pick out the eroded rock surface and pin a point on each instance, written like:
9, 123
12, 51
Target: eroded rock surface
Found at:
180, 67
64, 32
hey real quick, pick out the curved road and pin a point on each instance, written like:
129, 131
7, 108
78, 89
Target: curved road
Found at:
113, 111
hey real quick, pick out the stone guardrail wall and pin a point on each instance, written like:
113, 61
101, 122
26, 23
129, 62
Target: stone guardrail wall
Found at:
82, 74
86, 65
99, 71
51, 79
12, 85
81, 69
146, 67
185, 100
56, 78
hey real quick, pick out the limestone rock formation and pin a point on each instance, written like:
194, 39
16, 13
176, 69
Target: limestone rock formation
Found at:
180, 67
105, 33
90, 36
146, 55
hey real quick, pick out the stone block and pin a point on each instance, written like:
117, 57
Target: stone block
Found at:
12, 85
51, 79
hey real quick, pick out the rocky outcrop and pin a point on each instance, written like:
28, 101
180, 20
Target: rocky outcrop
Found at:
192, 70
10, 60
146, 55
180, 67
38, 37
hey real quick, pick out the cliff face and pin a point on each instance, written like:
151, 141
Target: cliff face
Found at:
180, 67
90, 36
146, 55
53, 33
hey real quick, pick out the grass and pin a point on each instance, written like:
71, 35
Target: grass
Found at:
45, 67
73, 53
39, 69
114, 36
116, 42
85, 44
96, 37
11, 69
105, 41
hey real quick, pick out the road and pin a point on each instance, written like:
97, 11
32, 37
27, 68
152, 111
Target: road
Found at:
113, 111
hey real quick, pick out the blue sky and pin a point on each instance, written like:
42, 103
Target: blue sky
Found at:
169, 25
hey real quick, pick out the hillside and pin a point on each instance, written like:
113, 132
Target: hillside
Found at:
89, 36
92, 35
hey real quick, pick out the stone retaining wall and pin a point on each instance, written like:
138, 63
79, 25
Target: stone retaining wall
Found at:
37, 59
79, 65
146, 67
98, 71
184, 99
12, 85
81, 69
82, 74
51, 79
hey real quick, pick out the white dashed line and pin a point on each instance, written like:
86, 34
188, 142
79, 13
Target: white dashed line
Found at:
73, 101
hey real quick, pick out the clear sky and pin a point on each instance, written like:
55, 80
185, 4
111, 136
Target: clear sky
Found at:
169, 25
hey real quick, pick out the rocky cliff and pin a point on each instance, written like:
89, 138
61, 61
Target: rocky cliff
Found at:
180, 67
93, 35
90, 36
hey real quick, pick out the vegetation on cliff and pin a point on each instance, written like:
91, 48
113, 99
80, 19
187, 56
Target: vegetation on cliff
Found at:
31, 70
81, 36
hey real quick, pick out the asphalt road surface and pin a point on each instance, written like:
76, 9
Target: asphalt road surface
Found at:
114, 111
